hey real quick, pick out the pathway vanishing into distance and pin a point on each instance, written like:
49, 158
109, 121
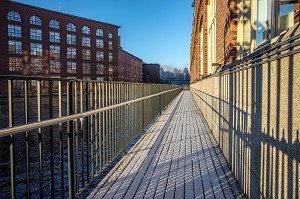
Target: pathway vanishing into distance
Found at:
177, 158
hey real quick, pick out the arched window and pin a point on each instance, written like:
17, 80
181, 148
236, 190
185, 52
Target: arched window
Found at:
86, 30
71, 27
99, 32
54, 24
14, 16
35, 20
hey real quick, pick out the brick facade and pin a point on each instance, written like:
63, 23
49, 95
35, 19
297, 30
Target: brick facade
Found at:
226, 31
226, 36
198, 54
129, 68
110, 47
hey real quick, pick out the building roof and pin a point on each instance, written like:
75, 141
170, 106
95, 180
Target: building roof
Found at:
60, 13
130, 54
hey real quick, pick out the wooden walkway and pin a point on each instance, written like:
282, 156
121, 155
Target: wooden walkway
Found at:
177, 158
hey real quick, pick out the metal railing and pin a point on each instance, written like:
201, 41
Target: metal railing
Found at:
69, 131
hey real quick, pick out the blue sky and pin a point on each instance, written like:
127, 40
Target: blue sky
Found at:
157, 31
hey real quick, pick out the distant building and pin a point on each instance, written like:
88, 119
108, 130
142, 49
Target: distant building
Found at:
151, 73
40, 42
130, 67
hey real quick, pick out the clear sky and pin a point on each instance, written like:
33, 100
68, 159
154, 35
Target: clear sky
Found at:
157, 31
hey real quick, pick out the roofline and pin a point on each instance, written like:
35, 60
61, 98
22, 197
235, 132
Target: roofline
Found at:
65, 14
130, 54
151, 64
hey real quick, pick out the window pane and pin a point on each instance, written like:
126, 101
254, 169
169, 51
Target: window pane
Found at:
285, 17
86, 41
86, 68
99, 69
99, 43
71, 53
71, 67
110, 43
263, 23
15, 64
99, 32
71, 27
55, 51
36, 49
54, 24
36, 65
14, 31
111, 69
86, 30
14, 16
71, 39
86, 54
111, 58
110, 35
55, 66
15, 47
35, 34
99, 56
35, 20
55, 37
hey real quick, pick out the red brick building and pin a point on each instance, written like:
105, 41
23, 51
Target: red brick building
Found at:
129, 68
40, 42
214, 36
228, 30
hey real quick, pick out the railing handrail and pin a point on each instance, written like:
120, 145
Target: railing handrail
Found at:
42, 78
40, 124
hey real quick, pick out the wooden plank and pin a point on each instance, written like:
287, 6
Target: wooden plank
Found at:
113, 175
146, 168
179, 159
171, 182
198, 184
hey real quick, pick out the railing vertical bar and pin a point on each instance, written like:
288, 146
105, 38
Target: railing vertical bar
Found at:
11, 145
126, 116
118, 118
106, 126
114, 119
70, 141
92, 131
61, 143
87, 132
51, 139
129, 114
96, 126
76, 138
100, 127
110, 121
26, 116
143, 110
121, 117
103, 126
82, 135
39, 108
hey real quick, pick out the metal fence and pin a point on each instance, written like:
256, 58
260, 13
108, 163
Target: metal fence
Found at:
80, 127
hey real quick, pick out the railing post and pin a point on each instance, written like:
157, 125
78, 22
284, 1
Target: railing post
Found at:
26, 116
39, 108
143, 109
51, 138
70, 142
12, 152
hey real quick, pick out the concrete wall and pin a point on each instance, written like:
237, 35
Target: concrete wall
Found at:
254, 115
